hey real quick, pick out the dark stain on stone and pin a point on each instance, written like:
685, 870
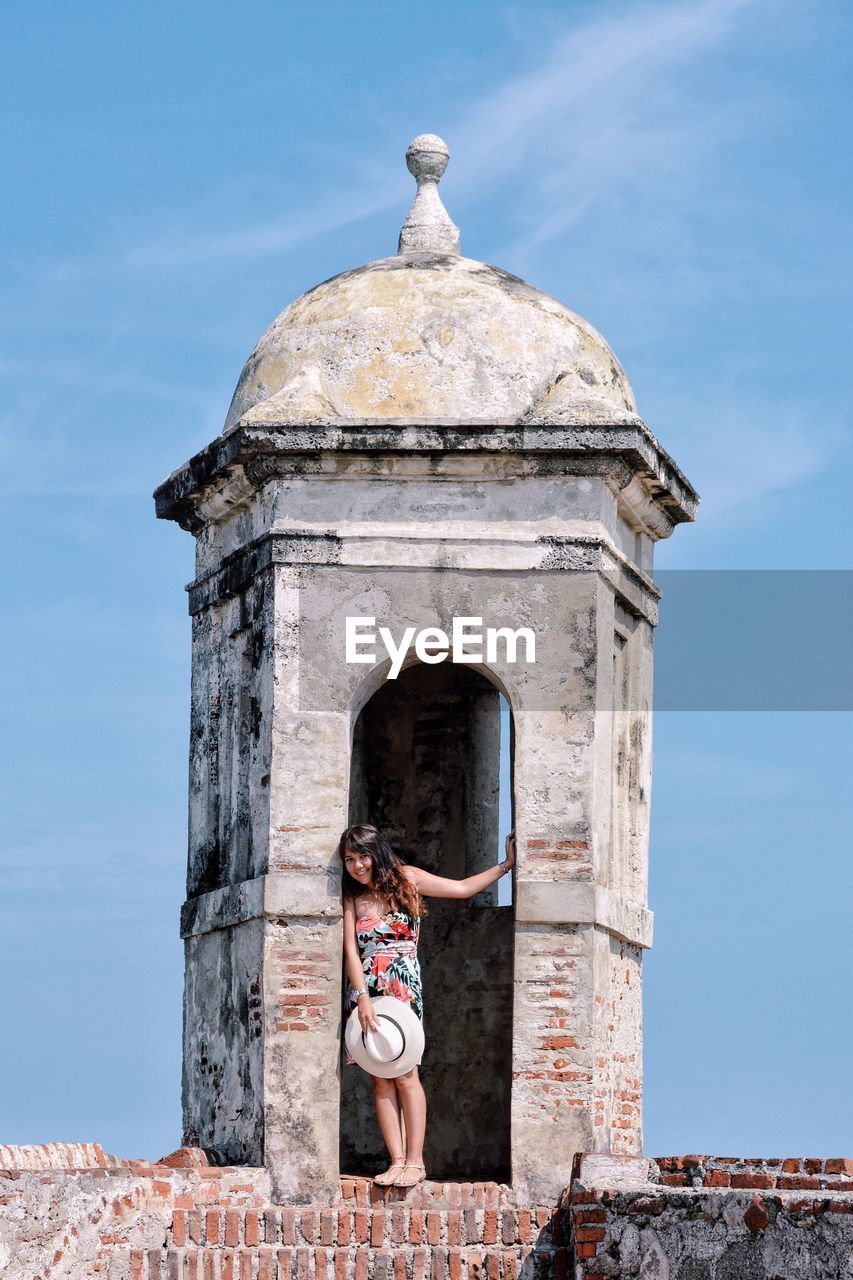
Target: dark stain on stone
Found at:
694, 1269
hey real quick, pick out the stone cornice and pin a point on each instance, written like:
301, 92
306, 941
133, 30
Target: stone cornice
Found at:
247, 455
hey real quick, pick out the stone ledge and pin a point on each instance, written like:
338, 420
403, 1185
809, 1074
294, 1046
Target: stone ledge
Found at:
583, 902
305, 892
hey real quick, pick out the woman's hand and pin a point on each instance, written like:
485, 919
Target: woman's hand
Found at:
509, 849
366, 1016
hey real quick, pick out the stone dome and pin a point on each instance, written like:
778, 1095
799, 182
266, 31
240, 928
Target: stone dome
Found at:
431, 337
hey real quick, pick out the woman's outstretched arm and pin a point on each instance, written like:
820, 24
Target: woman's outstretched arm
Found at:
432, 886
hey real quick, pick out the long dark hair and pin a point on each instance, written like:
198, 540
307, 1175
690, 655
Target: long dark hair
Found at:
387, 870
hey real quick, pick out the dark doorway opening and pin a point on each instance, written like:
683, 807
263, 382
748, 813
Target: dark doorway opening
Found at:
431, 767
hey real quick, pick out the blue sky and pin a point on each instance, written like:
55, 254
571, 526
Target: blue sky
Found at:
679, 173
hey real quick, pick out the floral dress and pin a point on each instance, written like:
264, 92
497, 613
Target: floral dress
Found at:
388, 947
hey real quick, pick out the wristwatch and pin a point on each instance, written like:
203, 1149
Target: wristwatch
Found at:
362, 991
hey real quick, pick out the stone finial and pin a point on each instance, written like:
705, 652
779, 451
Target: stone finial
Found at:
428, 227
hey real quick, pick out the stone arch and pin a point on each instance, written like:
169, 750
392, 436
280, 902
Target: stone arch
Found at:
425, 768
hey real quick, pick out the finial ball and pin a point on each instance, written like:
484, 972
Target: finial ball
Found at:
427, 157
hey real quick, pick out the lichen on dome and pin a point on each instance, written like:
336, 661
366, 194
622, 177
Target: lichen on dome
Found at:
430, 336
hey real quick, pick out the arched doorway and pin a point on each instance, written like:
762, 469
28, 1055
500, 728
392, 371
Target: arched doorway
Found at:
431, 767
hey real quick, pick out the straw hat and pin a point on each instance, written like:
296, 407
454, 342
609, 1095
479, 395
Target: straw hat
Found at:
392, 1050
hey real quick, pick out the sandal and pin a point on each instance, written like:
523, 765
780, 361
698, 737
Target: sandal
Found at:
401, 1179
386, 1179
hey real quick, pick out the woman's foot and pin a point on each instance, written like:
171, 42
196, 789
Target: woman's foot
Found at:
387, 1178
410, 1175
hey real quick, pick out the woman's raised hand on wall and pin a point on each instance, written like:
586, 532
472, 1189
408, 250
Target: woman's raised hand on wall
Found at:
509, 850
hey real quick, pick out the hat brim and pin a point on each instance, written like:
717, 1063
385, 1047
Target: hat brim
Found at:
410, 1026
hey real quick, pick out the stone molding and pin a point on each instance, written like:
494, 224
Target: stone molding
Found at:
583, 902
307, 893
186, 495
297, 893
393, 546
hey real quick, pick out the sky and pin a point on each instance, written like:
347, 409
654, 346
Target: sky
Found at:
677, 173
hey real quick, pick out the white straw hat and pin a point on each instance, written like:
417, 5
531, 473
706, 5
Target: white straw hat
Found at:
398, 1044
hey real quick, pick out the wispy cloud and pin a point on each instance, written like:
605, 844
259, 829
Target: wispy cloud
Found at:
607, 117
592, 85
740, 462
86, 374
596, 114
723, 773
327, 214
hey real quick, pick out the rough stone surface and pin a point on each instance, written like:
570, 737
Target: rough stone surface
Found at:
83, 1222
275, 708
706, 1218
430, 336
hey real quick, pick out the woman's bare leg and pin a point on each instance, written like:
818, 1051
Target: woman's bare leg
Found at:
413, 1098
388, 1115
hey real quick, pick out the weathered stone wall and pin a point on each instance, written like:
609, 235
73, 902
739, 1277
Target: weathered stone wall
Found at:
454, 494
186, 1221
230, 742
624, 734
617, 1102
301, 1097
222, 1081
413, 529
553, 1047
706, 1218
115, 1219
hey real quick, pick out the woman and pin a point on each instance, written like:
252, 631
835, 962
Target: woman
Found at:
382, 909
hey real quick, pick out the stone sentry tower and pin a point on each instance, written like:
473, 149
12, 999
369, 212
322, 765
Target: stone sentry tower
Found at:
421, 439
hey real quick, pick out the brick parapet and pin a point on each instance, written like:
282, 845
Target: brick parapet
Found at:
621, 1216
155, 1222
